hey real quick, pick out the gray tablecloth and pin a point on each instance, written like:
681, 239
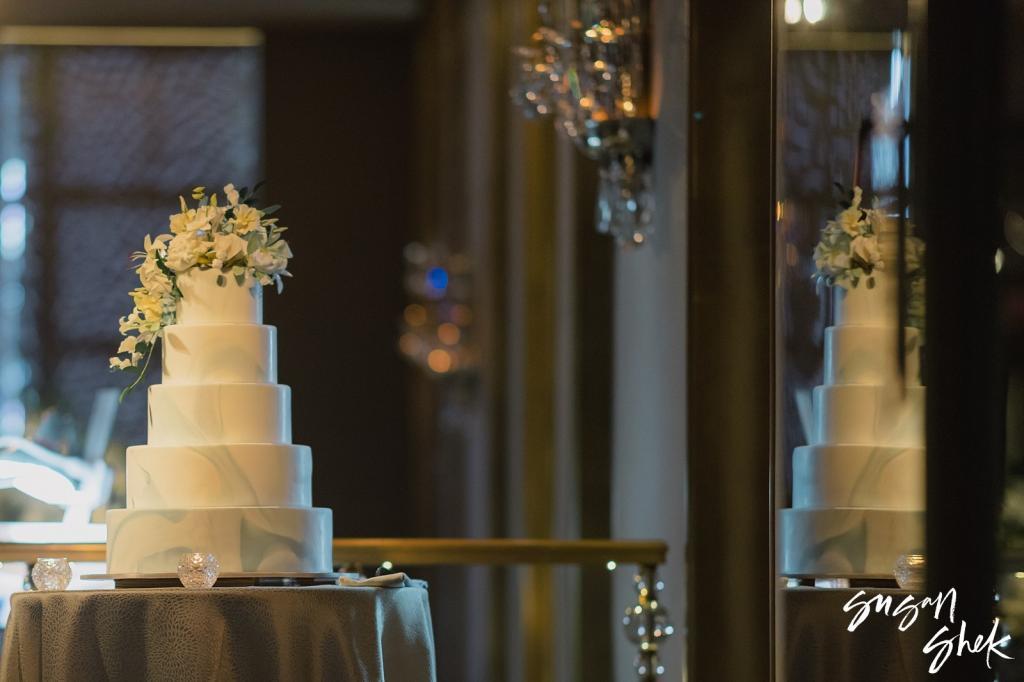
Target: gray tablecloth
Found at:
246, 633
817, 646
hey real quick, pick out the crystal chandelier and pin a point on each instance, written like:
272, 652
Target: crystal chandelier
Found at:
590, 75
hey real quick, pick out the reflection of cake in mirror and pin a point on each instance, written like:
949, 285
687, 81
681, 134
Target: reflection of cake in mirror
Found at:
219, 473
858, 487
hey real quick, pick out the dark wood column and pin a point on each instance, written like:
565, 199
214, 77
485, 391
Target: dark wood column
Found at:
730, 349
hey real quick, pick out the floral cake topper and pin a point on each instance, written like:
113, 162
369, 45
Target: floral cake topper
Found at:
849, 251
236, 238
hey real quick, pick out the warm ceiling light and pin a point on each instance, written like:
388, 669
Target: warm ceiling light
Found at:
814, 11
793, 11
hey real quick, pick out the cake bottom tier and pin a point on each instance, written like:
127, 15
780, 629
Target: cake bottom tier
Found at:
846, 542
244, 539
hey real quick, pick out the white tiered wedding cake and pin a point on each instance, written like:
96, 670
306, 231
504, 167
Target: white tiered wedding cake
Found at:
858, 488
219, 473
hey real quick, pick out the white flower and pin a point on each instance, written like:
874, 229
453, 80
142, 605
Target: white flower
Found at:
151, 246
265, 261
153, 278
118, 363
183, 251
228, 246
865, 247
128, 344
150, 310
850, 220
272, 259
206, 218
247, 219
231, 193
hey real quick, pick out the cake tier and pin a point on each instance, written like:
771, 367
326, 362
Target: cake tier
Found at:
220, 354
846, 543
868, 355
858, 476
216, 414
244, 539
876, 306
252, 475
869, 415
203, 301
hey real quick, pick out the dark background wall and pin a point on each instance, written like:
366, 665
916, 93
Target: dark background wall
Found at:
338, 145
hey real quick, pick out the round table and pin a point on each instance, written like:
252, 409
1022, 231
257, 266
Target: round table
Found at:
231, 633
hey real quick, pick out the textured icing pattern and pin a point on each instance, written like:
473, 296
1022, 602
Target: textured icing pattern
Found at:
219, 474
203, 301
217, 414
842, 542
853, 414
858, 476
859, 487
219, 354
249, 475
868, 355
254, 539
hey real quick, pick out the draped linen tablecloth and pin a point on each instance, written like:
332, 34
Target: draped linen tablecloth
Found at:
245, 633
818, 647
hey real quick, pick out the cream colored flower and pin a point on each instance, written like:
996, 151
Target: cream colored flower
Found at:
184, 249
865, 247
228, 246
128, 344
151, 246
119, 363
231, 193
150, 308
272, 259
206, 218
153, 278
247, 219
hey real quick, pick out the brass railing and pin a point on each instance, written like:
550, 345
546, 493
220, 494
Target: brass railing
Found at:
422, 552
645, 620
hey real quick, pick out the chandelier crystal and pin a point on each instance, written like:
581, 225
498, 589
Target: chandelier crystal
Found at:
591, 77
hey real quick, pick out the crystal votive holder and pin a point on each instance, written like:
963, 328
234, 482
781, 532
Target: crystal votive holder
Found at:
51, 574
198, 570
910, 572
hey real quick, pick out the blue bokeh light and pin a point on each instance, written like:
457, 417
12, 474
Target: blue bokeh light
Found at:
437, 278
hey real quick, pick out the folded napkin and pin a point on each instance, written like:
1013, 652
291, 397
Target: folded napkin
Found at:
386, 580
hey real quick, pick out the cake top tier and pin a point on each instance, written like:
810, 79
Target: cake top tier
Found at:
212, 297
877, 306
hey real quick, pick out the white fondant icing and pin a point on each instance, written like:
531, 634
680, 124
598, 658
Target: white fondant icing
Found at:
250, 475
217, 414
847, 543
854, 414
863, 476
219, 474
863, 306
244, 539
219, 354
203, 301
858, 490
868, 355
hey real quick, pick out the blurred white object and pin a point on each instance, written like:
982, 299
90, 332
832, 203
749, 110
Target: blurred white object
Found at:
78, 484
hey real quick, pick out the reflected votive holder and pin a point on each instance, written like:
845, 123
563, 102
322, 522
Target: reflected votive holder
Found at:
910, 572
51, 574
198, 570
